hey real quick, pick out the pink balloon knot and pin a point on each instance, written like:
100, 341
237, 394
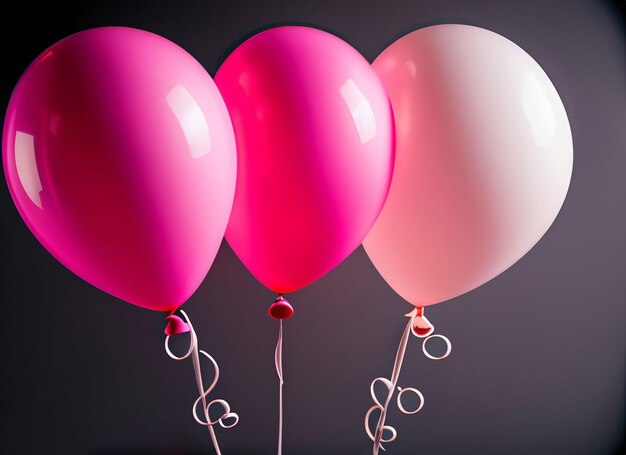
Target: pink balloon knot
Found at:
280, 309
175, 325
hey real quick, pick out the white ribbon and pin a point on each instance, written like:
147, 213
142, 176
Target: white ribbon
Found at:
378, 436
202, 398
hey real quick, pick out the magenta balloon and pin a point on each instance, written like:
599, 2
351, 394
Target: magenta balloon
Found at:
120, 156
314, 131
484, 160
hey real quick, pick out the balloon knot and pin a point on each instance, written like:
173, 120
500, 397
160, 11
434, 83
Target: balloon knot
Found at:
280, 309
175, 325
421, 327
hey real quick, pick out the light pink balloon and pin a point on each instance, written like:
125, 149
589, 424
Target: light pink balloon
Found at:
314, 132
483, 161
120, 156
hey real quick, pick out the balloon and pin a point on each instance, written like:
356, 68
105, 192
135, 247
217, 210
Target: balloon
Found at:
314, 132
120, 156
484, 160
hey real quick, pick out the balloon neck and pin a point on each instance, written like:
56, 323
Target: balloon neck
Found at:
175, 325
280, 309
420, 326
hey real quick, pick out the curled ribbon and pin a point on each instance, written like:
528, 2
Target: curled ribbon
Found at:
226, 414
379, 406
392, 384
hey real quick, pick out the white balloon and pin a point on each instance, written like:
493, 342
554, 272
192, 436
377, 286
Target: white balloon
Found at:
483, 161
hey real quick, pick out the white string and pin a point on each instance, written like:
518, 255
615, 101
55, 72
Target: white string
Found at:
378, 436
278, 361
203, 393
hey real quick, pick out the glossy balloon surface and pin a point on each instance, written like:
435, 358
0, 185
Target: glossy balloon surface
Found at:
483, 161
120, 156
314, 131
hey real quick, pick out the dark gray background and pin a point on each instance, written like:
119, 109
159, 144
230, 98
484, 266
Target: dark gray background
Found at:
538, 365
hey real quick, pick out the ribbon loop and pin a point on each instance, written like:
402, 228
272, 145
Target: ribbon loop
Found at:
230, 415
388, 428
387, 383
412, 390
226, 414
194, 353
434, 357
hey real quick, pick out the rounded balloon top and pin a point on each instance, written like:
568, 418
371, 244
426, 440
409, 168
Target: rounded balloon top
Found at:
314, 132
483, 161
120, 156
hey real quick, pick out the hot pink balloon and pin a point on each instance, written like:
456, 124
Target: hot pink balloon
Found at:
120, 156
484, 160
314, 131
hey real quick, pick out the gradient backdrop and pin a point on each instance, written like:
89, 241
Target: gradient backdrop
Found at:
538, 365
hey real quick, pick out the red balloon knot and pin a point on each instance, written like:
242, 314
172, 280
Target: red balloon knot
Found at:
421, 326
280, 309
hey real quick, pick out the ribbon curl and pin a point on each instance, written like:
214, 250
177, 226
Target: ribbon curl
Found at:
203, 393
392, 384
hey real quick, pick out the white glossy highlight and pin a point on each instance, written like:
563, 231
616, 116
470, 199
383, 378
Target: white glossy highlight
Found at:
26, 165
538, 109
191, 119
360, 109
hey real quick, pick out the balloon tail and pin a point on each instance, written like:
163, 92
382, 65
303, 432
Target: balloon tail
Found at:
280, 309
194, 353
420, 327
278, 361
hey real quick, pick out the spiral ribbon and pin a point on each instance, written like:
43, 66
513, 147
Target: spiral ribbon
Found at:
378, 437
226, 414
